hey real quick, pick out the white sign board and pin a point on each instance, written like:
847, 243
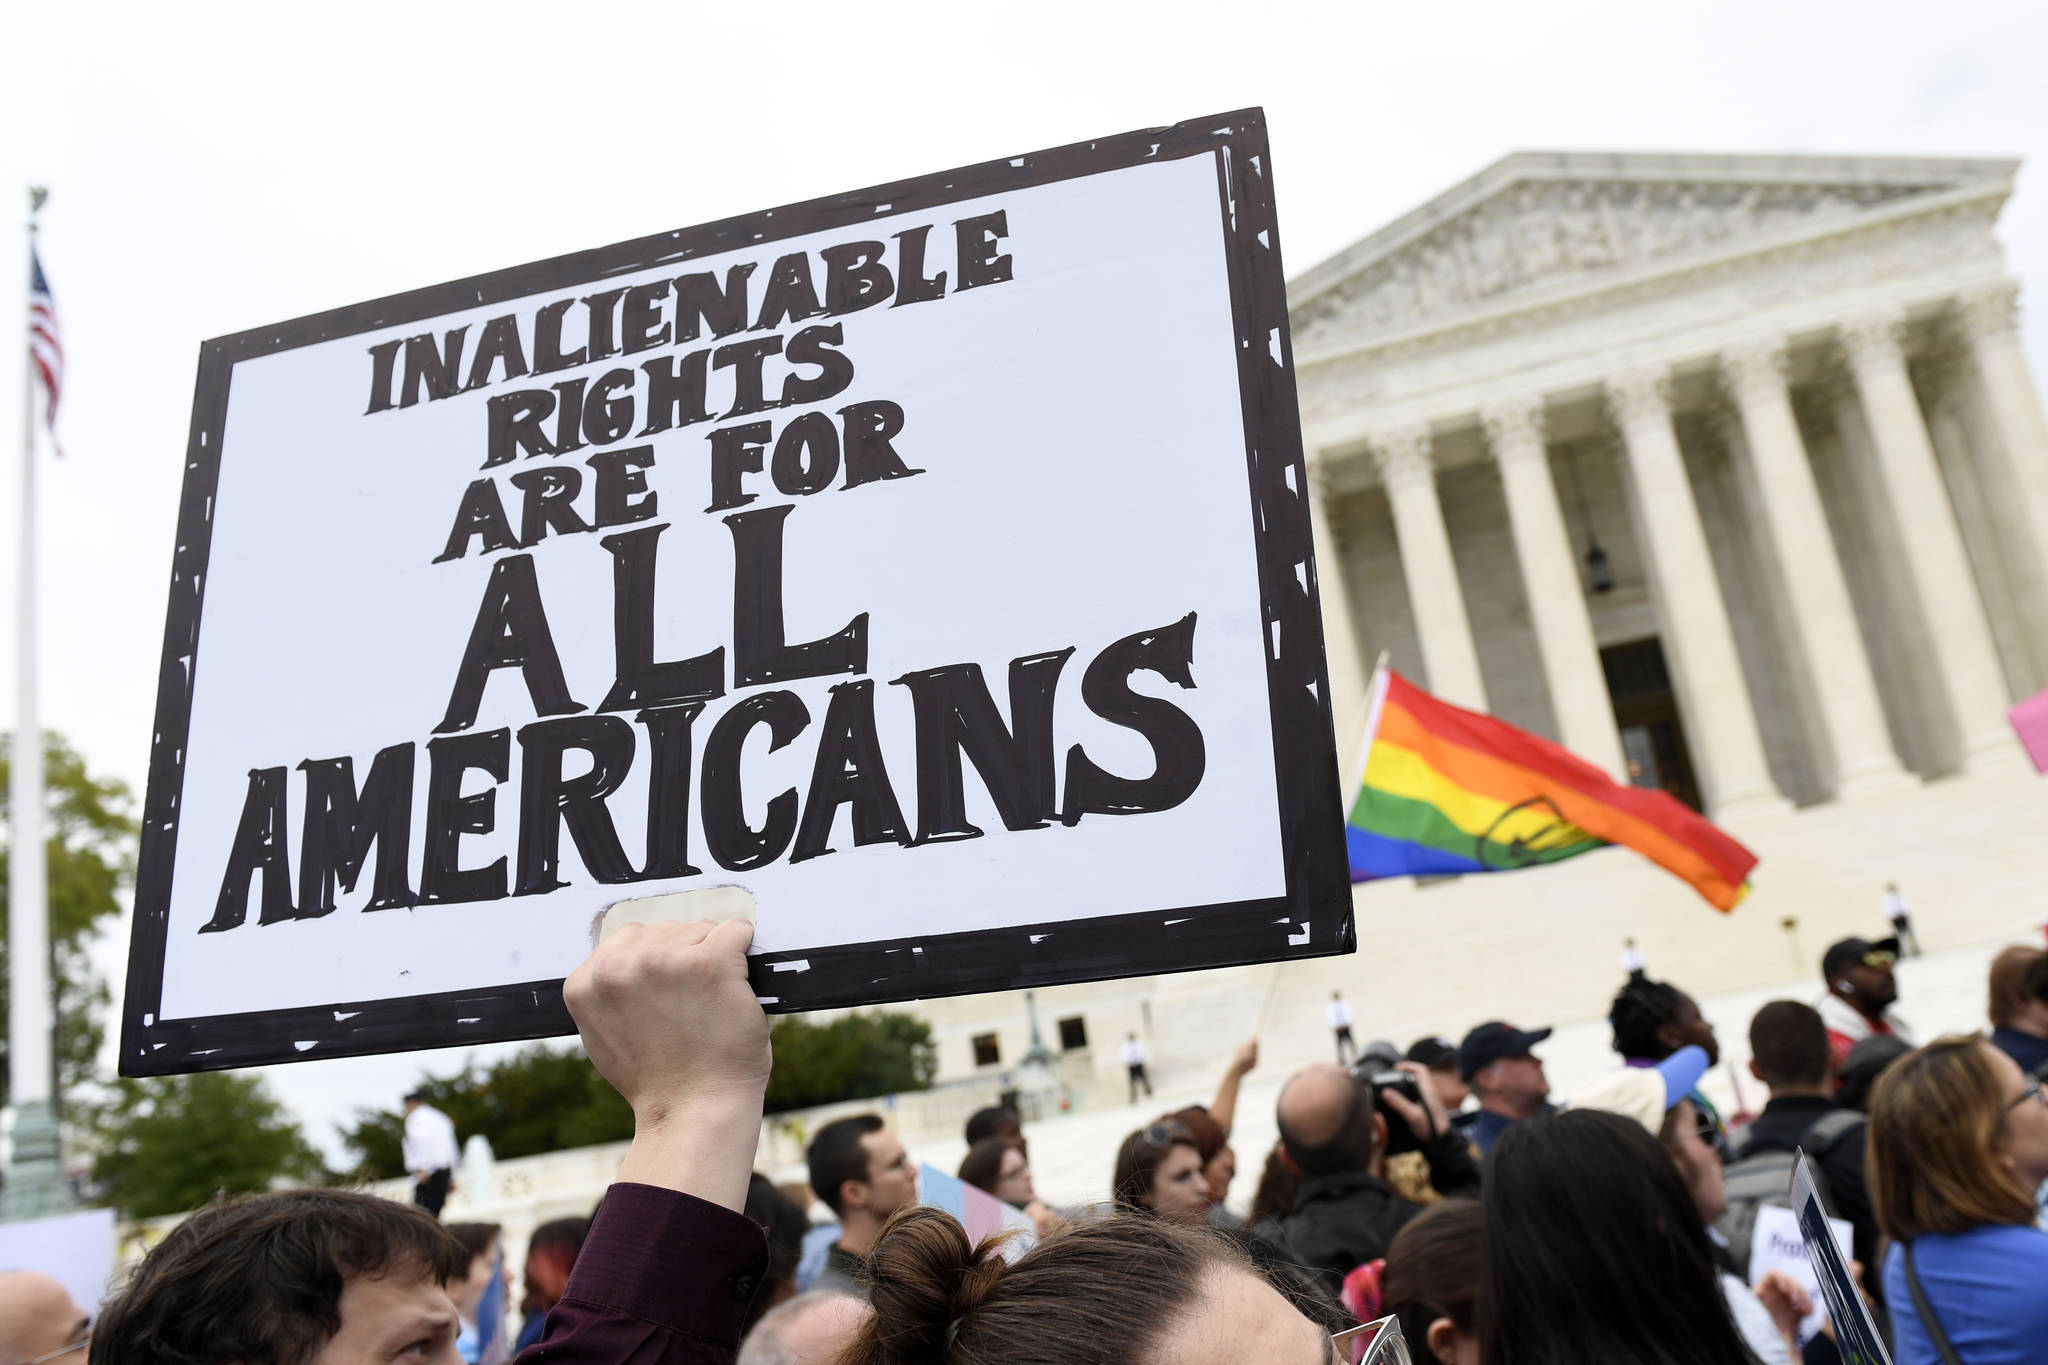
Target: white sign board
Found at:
75, 1249
1776, 1244
932, 560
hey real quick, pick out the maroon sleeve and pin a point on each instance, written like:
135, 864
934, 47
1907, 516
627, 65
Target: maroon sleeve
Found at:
663, 1279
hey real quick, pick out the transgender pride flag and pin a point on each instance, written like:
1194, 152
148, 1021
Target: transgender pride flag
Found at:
981, 1213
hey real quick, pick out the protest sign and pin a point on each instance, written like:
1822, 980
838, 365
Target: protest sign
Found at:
1856, 1335
75, 1249
1777, 1244
978, 1211
932, 560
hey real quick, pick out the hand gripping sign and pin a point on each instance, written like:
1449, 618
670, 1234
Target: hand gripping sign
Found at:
933, 560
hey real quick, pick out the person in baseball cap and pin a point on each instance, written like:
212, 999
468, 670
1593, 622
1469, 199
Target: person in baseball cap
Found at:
1497, 1062
1440, 1055
1861, 992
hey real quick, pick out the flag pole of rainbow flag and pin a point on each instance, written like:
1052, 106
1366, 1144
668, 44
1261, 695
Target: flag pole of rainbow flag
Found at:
1444, 791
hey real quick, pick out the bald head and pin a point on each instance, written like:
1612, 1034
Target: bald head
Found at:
1314, 1103
811, 1329
1326, 1121
37, 1316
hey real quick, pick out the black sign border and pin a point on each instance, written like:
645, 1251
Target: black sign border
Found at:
1312, 919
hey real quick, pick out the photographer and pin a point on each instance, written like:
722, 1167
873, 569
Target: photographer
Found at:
1335, 1128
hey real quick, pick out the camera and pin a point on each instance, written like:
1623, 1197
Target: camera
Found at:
1375, 1069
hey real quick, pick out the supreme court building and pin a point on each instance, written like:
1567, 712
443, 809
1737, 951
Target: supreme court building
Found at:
1729, 474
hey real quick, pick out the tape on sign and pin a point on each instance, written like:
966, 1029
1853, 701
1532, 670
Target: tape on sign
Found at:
715, 903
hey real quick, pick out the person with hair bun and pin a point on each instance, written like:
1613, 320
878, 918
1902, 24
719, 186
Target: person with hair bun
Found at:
1159, 1171
1120, 1291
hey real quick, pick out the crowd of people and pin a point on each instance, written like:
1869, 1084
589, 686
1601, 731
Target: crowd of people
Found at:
1445, 1189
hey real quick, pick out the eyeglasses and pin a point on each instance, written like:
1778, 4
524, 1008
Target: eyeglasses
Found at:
62, 1351
1389, 1346
2034, 1091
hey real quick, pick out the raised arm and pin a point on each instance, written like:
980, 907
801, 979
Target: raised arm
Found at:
668, 1018
671, 1264
1224, 1107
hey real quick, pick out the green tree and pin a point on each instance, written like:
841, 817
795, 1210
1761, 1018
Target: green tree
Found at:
539, 1100
854, 1057
170, 1143
546, 1100
91, 858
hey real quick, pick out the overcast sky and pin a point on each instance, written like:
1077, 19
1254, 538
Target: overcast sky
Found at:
217, 167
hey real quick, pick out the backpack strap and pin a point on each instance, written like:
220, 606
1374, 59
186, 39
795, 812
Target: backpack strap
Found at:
1943, 1347
1830, 1131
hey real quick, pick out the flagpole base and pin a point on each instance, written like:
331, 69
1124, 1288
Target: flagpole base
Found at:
36, 1187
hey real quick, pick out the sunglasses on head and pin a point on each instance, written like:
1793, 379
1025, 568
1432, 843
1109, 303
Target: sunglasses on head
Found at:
1166, 1134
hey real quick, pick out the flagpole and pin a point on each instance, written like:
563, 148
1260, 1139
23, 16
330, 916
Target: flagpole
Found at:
35, 1176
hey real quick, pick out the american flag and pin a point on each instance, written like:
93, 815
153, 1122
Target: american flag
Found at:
45, 347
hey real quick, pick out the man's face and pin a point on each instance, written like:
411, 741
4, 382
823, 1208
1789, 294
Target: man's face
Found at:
892, 1180
1690, 1028
1871, 976
38, 1318
395, 1317
1518, 1080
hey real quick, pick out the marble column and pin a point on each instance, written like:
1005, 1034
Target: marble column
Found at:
1857, 746
1448, 654
1550, 579
1972, 681
2015, 467
1706, 670
1346, 665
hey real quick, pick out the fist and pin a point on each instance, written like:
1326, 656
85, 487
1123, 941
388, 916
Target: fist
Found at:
668, 1018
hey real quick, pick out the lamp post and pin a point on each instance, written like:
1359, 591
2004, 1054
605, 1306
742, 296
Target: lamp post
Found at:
1035, 1079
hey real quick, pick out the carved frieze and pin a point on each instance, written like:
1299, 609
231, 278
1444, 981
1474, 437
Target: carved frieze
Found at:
1552, 232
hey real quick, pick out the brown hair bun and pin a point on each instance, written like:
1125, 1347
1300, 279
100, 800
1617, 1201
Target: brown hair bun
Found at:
925, 1281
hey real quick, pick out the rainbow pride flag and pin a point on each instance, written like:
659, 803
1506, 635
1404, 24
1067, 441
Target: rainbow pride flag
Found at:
1444, 791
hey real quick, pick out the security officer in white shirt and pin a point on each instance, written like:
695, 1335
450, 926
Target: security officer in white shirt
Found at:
430, 1152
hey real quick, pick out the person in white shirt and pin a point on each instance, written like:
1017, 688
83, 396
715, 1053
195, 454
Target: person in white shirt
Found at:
1339, 1015
1134, 1064
1632, 960
1901, 915
430, 1153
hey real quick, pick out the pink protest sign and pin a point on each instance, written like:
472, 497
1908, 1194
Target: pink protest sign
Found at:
2030, 720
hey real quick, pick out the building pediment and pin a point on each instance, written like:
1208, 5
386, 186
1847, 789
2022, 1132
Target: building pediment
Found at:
1543, 223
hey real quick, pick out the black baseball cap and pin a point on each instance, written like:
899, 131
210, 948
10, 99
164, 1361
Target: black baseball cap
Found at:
1435, 1052
1493, 1040
1850, 951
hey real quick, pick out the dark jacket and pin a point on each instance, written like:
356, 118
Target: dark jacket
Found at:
1341, 1221
664, 1279
1783, 1127
2030, 1052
